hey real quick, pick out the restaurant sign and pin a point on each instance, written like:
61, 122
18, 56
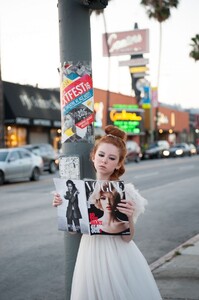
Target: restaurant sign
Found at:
129, 118
126, 43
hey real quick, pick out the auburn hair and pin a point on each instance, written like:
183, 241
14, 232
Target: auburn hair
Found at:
116, 137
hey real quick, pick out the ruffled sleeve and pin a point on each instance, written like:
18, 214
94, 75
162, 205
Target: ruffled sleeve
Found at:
134, 195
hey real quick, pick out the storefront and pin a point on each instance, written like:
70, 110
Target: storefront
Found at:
121, 111
169, 123
31, 115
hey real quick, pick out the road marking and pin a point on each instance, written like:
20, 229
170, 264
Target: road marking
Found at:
190, 167
146, 175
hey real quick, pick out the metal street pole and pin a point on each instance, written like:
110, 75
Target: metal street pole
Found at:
77, 102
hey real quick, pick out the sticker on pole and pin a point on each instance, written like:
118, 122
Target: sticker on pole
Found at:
69, 167
77, 103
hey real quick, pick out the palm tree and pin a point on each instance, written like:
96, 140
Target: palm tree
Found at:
98, 13
195, 48
159, 10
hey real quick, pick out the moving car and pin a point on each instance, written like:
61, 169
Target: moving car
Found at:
18, 164
133, 151
47, 152
192, 149
158, 149
180, 150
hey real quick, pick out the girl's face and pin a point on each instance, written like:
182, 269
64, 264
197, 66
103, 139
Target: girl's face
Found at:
70, 187
106, 160
68, 122
106, 201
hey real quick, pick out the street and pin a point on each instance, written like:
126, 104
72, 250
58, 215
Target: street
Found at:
32, 249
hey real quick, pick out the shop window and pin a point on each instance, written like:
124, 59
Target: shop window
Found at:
15, 136
55, 137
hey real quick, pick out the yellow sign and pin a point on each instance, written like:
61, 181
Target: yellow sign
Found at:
140, 69
146, 105
124, 115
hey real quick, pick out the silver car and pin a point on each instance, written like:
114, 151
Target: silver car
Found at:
19, 164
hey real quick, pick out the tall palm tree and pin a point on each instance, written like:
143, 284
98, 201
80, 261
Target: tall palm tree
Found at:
159, 10
195, 48
98, 13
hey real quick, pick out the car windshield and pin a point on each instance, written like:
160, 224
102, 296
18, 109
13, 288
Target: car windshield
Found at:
153, 145
3, 155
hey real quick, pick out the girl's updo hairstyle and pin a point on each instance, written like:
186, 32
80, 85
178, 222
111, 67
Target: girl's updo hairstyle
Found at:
116, 137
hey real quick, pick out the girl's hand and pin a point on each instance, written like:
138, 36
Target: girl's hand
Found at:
126, 207
57, 200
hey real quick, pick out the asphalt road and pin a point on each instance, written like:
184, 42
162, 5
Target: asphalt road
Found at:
32, 249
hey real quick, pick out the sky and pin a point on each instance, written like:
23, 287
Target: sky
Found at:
29, 47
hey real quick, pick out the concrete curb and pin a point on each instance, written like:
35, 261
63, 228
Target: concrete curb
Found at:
167, 257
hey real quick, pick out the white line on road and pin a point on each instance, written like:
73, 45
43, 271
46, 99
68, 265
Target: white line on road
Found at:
146, 175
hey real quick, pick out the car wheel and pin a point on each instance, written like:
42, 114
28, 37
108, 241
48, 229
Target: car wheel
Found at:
35, 174
1, 178
52, 167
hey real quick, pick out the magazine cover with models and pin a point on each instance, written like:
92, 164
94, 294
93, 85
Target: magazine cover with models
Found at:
73, 212
103, 198
90, 206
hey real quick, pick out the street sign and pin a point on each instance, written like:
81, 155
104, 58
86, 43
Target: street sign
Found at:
139, 75
139, 69
126, 42
134, 62
141, 83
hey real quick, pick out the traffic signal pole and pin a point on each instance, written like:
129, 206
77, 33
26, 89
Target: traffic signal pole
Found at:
75, 59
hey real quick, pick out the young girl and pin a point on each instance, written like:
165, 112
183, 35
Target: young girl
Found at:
111, 266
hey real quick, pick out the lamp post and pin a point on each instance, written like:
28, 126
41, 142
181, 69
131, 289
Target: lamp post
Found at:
77, 103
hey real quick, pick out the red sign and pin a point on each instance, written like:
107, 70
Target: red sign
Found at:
76, 89
127, 42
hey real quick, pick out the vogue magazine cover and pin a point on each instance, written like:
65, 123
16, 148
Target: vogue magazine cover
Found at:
90, 206
103, 197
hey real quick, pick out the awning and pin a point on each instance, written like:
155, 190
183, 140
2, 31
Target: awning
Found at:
29, 105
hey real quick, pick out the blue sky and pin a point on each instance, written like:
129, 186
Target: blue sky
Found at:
30, 47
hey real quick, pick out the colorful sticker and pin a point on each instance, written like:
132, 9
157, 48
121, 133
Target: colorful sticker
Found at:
77, 104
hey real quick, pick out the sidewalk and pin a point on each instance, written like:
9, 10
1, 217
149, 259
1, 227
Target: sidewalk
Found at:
177, 273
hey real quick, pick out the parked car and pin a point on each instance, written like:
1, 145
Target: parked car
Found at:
158, 149
133, 151
197, 149
47, 152
192, 149
18, 164
180, 150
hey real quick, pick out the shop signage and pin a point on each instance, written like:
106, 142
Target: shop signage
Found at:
134, 62
139, 69
130, 120
127, 42
25, 121
42, 122
38, 102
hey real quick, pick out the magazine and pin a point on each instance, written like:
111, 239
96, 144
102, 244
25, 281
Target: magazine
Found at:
90, 207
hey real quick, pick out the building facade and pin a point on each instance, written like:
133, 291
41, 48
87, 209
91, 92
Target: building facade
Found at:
32, 115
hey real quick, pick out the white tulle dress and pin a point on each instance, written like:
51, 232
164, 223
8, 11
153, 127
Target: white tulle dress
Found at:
108, 268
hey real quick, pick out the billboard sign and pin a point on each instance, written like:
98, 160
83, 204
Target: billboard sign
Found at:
126, 42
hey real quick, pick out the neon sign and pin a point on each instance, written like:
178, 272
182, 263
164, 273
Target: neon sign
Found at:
130, 121
124, 115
